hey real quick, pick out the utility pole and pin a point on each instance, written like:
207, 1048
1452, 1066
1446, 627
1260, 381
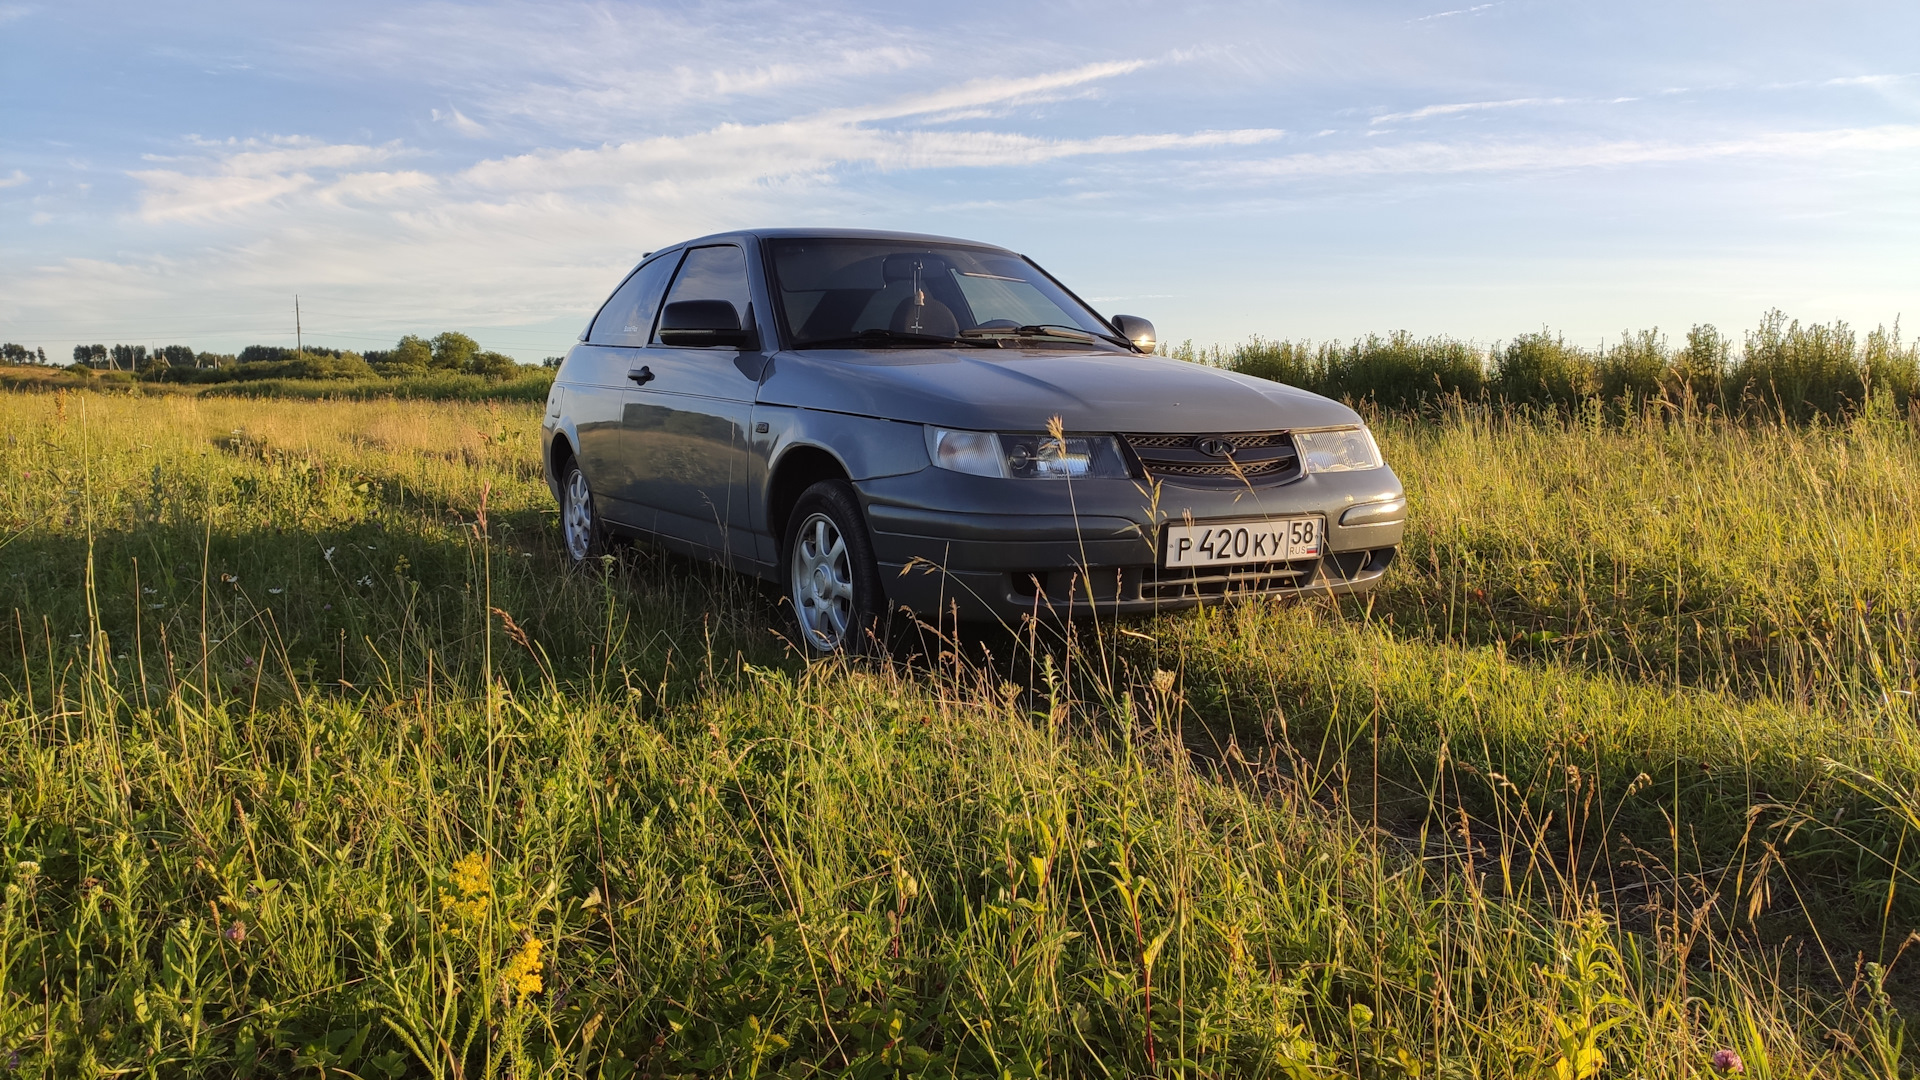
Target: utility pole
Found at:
298, 345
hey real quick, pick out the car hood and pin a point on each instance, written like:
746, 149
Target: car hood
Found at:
1023, 389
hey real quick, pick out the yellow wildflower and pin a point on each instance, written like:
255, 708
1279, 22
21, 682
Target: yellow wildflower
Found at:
470, 875
473, 882
522, 973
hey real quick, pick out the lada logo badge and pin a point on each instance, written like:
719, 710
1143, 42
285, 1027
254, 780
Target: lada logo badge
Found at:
1214, 446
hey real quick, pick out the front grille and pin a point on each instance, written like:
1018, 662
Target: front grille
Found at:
1264, 457
1106, 584
1197, 582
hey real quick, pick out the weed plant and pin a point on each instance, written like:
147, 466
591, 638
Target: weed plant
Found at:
315, 759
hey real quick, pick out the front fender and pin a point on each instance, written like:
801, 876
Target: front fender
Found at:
863, 447
866, 447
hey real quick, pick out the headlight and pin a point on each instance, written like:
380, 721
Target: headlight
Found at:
976, 452
1027, 457
1340, 450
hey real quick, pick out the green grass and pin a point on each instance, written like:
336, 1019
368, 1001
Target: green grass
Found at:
308, 736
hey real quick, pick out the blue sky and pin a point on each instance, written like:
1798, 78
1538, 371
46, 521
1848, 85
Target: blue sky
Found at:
177, 172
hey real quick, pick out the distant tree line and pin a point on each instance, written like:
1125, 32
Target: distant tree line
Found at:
138, 358
1782, 368
451, 352
20, 354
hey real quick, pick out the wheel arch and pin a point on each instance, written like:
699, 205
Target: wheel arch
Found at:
796, 470
559, 452
560, 448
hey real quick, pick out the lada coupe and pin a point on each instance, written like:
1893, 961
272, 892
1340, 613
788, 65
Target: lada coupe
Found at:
878, 421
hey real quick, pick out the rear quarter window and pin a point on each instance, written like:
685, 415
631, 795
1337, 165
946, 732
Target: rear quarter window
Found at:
627, 318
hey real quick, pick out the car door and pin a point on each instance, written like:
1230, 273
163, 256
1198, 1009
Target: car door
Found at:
598, 372
687, 418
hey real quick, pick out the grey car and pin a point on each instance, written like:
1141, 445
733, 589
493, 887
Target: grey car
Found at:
878, 421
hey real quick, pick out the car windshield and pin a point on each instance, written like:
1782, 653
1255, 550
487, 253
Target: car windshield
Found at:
902, 294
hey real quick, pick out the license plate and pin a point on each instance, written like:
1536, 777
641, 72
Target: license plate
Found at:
1238, 543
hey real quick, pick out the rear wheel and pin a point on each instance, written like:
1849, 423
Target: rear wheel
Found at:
833, 578
580, 524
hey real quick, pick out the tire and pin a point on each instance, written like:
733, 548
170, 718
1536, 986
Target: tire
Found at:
833, 579
581, 531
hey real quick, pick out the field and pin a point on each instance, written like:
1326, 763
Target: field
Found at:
315, 759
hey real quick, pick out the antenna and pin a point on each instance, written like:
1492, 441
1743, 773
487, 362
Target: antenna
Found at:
298, 346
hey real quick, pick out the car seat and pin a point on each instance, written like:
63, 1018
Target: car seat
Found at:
918, 313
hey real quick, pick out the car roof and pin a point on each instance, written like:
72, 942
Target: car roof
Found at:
831, 234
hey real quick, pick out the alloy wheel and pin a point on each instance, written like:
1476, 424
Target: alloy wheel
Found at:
823, 599
577, 521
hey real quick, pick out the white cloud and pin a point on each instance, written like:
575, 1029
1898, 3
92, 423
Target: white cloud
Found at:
1474, 10
600, 71
460, 122
992, 91
237, 175
1512, 156
177, 196
1871, 80
1481, 106
1465, 106
851, 62
378, 187
14, 180
732, 155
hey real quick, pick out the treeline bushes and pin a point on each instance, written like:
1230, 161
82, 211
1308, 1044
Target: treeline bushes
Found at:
450, 353
1783, 369
137, 358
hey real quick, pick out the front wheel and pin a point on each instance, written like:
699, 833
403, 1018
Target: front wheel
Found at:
833, 578
579, 522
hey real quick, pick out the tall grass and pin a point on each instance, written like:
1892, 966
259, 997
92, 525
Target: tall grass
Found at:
314, 758
1784, 370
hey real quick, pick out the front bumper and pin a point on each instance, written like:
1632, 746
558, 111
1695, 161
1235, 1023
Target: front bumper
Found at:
1025, 546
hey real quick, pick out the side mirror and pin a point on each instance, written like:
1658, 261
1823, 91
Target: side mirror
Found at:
1135, 329
701, 322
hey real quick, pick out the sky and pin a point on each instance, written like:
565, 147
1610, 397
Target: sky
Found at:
178, 173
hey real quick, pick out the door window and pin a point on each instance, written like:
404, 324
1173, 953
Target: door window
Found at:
627, 318
714, 273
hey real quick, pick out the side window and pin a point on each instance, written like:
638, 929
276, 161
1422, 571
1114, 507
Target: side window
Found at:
627, 318
714, 273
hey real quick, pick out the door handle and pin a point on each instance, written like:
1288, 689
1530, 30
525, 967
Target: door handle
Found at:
641, 375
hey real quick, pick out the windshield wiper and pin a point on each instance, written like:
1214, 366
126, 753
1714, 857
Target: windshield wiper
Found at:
878, 336
1062, 331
